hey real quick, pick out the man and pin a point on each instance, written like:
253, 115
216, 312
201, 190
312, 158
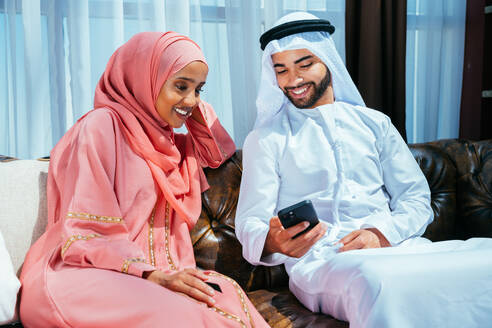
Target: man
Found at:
315, 140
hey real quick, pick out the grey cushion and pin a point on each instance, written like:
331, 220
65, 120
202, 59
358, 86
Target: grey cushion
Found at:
23, 211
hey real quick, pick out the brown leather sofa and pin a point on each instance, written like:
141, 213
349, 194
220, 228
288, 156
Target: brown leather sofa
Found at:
459, 173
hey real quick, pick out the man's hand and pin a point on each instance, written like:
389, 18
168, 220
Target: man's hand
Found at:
187, 281
363, 238
279, 239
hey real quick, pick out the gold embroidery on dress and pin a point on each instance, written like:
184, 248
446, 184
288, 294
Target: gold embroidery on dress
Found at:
228, 315
92, 217
74, 238
127, 263
151, 238
167, 229
239, 292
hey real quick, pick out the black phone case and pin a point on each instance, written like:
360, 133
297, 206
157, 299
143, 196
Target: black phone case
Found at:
302, 211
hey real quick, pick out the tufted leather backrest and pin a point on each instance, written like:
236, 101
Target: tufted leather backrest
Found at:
473, 162
441, 176
214, 241
459, 175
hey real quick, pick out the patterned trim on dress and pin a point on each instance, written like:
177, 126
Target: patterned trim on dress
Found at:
228, 315
239, 292
128, 262
97, 218
168, 253
151, 238
74, 238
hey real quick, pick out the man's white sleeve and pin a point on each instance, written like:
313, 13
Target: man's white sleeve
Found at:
257, 199
407, 187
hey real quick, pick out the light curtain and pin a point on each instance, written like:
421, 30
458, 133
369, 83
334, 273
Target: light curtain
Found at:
434, 68
53, 52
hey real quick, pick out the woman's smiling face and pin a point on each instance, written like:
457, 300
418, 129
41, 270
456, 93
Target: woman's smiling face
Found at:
180, 94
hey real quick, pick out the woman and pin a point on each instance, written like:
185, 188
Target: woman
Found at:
123, 193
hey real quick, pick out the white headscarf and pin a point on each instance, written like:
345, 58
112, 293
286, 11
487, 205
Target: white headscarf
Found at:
271, 99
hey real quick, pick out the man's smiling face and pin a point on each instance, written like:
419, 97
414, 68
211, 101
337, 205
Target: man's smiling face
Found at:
303, 78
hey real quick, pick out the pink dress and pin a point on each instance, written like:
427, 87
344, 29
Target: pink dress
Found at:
98, 283
110, 219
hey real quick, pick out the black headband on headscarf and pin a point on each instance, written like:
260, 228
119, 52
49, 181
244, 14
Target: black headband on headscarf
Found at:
289, 28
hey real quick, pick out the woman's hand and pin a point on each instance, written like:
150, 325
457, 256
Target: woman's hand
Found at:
188, 281
197, 115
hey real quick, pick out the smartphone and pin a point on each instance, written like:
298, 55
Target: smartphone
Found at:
214, 286
302, 211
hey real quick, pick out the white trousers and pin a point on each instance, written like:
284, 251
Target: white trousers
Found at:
416, 284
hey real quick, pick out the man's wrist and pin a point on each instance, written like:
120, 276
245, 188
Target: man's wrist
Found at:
383, 242
267, 250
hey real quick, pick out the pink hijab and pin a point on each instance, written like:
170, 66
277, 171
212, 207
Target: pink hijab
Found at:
129, 87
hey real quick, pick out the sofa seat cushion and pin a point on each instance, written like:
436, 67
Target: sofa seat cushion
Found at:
280, 308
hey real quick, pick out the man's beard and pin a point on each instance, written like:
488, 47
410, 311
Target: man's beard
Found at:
319, 90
